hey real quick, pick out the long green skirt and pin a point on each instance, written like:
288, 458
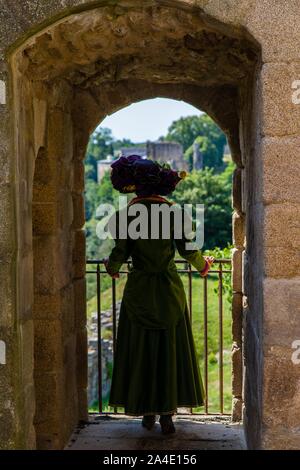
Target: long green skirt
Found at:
155, 371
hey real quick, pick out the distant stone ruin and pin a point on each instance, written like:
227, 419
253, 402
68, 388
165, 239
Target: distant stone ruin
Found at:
165, 152
107, 353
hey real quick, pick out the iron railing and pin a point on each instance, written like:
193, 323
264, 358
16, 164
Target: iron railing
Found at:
219, 268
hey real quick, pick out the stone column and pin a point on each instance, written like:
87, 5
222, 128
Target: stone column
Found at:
84, 104
16, 364
280, 201
54, 318
8, 335
237, 273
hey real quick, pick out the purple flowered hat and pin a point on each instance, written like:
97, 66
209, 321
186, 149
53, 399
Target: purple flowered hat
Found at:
143, 176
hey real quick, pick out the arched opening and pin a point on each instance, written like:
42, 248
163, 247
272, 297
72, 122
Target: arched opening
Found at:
67, 78
189, 140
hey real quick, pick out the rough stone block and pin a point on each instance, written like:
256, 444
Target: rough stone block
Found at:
238, 230
280, 116
40, 116
237, 371
281, 169
67, 310
81, 354
45, 265
70, 385
80, 302
44, 218
79, 257
245, 196
26, 286
59, 135
64, 261
48, 355
82, 404
281, 393
29, 412
65, 210
7, 428
281, 311
2, 92
281, 226
281, 439
27, 342
87, 107
79, 175
237, 314
47, 306
47, 389
276, 264
236, 414
5, 164
81, 140
61, 97
6, 226
4, 125
45, 171
6, 296
237, 270
269, 22
245, 272
49, 441
252, 351
237, 191
65, 176
79, 211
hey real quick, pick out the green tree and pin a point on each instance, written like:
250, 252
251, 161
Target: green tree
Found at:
214, 191
100, 145
203, 130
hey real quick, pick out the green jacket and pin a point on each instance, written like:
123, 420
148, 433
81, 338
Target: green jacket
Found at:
154, 295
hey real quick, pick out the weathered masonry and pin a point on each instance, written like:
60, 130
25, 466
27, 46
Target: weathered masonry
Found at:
65, 65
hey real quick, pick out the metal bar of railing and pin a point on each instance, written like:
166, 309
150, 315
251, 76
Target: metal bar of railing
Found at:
190, 301
221, 378
99, 344
189, 271
205, 343
114, 312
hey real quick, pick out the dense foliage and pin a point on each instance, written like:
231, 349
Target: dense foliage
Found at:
202, 130
214, 191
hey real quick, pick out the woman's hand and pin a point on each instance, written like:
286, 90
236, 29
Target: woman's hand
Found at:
113, 275
209, 261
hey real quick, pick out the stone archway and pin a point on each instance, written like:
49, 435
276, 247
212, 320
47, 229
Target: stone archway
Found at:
75, 73
64, 79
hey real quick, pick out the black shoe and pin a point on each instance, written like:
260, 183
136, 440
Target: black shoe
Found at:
148, 421
166, 423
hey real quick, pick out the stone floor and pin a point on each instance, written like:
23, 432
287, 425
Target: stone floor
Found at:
126, 433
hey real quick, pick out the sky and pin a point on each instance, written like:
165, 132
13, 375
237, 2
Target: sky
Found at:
148, 119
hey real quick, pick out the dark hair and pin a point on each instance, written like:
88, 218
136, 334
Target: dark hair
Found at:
143, 176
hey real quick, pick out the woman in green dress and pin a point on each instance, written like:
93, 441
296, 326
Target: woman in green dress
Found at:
155, 368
